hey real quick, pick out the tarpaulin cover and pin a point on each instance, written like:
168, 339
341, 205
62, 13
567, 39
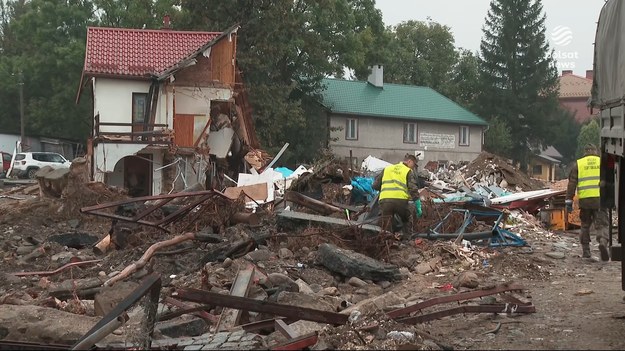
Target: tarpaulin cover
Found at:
363, 191
609, 61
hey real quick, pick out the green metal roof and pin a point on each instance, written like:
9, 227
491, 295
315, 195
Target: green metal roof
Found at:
394, 101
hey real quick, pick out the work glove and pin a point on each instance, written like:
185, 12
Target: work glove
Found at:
417, 204
569, 205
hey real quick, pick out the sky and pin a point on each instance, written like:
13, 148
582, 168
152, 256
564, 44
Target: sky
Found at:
570, 24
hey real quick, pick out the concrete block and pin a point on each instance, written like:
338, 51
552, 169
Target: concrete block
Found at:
182, 327
110, 296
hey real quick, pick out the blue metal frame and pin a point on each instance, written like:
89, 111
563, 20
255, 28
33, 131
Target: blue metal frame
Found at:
499, 236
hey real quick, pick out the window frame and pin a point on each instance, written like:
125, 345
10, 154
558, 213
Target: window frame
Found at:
416, 133
354, 131
538, 165
134, 107
466, 142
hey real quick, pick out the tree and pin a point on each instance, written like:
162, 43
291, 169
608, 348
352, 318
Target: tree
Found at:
421, 53
497, 138
518, 77
465, 80
285, 48
588, 135
44, 40
136, 13
564, 136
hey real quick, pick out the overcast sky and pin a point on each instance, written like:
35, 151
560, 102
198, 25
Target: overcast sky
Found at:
570, 24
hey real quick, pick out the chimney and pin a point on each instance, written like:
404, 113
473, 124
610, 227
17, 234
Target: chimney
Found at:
376, 77
590, 74
166, 22
567, 72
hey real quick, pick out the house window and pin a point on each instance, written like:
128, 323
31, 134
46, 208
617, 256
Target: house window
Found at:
410, 133
537, 169
351, 131
464, 136
139, 103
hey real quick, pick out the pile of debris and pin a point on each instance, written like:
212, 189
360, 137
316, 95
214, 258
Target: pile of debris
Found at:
283, 260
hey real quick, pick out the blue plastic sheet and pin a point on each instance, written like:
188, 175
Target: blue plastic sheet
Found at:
284, 171
363, 192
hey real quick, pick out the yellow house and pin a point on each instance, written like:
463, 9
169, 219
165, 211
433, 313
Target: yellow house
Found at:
544, 166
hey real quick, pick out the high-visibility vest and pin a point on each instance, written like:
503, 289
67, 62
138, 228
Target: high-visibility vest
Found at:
394, 184
588, 177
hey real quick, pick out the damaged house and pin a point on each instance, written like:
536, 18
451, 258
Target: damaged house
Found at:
389, 120
169, 108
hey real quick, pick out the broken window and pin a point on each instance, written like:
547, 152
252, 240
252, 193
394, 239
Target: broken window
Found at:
464, 136
410, 133
139, 102
351, 131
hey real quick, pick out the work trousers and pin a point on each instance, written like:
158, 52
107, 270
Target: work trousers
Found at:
589, 216
391, 207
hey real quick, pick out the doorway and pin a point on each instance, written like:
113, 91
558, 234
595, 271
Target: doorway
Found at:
138, 175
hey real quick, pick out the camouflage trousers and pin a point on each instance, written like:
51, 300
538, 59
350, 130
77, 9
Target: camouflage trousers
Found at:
391, 207
598, 217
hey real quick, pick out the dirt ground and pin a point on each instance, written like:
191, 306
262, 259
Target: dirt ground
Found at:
579, 303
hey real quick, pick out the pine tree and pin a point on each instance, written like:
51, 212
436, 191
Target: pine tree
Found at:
517, 73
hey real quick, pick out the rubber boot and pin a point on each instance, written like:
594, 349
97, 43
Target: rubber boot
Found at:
585, 250
603, 249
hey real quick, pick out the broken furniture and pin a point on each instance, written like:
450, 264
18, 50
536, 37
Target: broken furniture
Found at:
496, 236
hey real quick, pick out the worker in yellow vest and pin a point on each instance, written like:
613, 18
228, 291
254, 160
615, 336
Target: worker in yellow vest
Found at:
584, 177
398, 188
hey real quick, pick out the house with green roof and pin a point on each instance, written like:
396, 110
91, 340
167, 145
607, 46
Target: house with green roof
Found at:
389, 120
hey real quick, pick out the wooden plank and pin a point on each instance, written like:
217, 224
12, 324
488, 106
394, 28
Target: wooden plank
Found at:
257, 192
183, 129
285, 329
230, 317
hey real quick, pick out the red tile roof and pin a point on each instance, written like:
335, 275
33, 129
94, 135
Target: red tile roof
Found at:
572, 85
138, 52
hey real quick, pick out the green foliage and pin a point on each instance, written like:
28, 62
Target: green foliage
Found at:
284, 49
497, 139
590, 134
421, 53
564, 135
44, 40
465, 80
518, 77
135, 13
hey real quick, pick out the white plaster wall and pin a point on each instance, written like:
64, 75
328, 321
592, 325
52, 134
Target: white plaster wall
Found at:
195, 100
109, 169
383, 138
113, 100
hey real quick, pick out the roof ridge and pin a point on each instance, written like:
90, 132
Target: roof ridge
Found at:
151, 30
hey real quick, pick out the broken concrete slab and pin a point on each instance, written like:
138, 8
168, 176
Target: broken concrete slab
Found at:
317, 302
306, 218
30, 323
183, 326
352, 264
375, 304
111, 296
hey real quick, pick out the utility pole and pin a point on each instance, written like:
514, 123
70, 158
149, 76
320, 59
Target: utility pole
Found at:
22, 121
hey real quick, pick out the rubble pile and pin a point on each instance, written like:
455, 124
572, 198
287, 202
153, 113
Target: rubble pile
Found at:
289, 260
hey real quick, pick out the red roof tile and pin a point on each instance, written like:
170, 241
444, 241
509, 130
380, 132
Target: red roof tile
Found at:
572, 85
138, 52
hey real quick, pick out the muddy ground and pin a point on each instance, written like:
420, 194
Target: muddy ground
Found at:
579, 303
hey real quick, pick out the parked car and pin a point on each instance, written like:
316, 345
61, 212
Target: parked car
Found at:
5, 164
26, 164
